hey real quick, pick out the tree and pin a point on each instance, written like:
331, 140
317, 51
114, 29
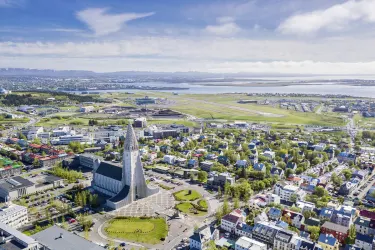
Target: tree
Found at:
320, 191
281, 165
225, 207
307, 214
211, 245
336, 180
352, 235
226, 188
202, 176
219, 214
293, 198
191, 176
236, 203
219, 194
295, 209
36, 141
340, 199
36, 163
288, 172
314, 232
347, 173
21, 136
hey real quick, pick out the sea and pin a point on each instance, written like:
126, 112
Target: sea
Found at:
309, 85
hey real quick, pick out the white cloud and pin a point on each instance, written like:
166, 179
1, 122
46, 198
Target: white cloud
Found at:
204, 48
336, 17
102, 23
203, 53
226, 26
226, 29
10, 3
61, 30
225, 19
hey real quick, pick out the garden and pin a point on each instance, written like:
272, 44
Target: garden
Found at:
191, 203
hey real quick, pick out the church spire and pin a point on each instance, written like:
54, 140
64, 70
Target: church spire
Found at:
131, 143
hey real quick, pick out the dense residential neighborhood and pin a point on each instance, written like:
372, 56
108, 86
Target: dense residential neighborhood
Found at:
209, 185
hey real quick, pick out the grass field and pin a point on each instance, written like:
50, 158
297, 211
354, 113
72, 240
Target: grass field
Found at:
181, 122
13, 121
143, 230
203, 203
225, 107
65, 120
188, 208
184, 195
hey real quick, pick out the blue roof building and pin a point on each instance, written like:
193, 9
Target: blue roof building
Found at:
352, 247
364, 241
274, 213
277, 172
326, 213
327, 239
259, 167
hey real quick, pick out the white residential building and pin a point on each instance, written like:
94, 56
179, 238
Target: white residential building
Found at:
269, 154
33, 132
245, 243
87, 109
169, 159
14, 215
305, 206
230, 221
202, 236
272, 198
61, 131
286, 191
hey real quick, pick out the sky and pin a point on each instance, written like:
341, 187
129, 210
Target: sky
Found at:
220, 36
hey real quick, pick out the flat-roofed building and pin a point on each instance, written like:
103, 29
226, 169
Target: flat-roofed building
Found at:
14, 215
15, 187
57, 238
13, 239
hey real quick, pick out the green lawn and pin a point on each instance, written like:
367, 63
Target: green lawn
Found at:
203, 203
188, 208
225, 107
69, 108
182, 122
165, 187
209, 111
143, 230
13, 121
184, 195
64, 120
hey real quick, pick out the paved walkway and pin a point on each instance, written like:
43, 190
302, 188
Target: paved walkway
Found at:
160, 203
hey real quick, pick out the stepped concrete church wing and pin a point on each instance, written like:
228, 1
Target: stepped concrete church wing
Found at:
125, 182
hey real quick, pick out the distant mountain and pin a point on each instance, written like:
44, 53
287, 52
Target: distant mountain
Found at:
142, 74
136, 74
43, 72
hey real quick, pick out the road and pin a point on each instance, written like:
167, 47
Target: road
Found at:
365, 187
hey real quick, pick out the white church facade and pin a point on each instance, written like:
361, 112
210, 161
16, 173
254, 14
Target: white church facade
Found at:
125, 182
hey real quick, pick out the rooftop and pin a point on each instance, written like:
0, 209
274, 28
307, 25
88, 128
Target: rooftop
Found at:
15, 183
110, 169
57, 238
9, 210
335, 227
